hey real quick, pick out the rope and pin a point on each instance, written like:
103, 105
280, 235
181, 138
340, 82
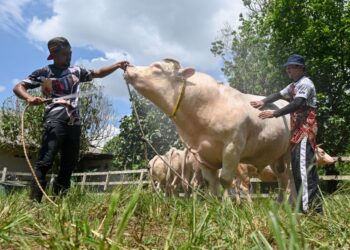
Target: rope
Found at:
28, 161
96, 233
147, 141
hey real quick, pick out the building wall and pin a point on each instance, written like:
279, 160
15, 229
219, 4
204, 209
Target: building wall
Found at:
13, 162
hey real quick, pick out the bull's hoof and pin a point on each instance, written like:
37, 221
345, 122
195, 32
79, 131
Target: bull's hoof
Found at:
225, 183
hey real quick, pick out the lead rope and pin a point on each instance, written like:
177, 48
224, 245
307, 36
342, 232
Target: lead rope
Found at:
28, 161
96, 233
147, 141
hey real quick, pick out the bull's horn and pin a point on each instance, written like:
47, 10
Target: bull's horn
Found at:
176, 64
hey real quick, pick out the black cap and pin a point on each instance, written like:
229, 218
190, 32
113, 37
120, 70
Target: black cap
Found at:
56, 44
295, 59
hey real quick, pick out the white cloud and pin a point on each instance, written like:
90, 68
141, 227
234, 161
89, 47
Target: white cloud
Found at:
114, 84
139, 31
145, 30
11, 16
2, 88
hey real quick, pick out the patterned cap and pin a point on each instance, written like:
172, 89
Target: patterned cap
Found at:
56, 44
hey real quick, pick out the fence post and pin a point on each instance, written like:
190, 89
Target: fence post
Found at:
106, 182
3, 176
52, 178
141, 177
83, 182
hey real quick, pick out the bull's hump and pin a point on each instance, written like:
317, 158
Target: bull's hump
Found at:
203, 79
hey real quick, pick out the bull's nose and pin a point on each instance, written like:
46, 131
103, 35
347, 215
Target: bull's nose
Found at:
126, 75
129, 66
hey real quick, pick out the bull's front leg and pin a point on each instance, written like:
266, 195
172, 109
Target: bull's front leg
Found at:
231, 157
211, 176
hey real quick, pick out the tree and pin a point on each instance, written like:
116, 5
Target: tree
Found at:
248, 64
96, 115
128, 146
275, 29
318, 29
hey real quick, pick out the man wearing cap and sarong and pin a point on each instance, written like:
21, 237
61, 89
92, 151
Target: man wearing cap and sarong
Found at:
302, 94
61, 121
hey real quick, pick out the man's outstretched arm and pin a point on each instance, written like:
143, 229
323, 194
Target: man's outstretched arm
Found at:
105, 71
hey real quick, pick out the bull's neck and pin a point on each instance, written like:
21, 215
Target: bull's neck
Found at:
194, 105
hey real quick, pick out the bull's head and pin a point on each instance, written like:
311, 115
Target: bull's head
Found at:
159, 82
322, 158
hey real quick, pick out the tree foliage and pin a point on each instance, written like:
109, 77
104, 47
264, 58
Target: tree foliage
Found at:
130, 150
316, 29
96, 114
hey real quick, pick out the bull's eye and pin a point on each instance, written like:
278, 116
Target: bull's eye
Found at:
157, 69
157, 66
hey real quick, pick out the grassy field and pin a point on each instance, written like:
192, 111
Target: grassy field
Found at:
130, 218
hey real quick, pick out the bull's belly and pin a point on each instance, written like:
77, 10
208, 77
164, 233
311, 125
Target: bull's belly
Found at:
260, 150
266, 154
210, 152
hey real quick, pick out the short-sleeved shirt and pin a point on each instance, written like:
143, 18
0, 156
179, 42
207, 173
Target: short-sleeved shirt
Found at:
55, 82
303, 121
304, 88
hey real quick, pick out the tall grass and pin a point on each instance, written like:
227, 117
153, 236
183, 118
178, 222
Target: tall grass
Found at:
134, 218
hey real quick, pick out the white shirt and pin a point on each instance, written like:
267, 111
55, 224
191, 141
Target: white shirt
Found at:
304, 88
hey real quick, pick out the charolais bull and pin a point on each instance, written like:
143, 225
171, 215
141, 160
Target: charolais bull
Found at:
215, 121
164, 177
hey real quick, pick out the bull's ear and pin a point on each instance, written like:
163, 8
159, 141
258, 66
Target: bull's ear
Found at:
186, 73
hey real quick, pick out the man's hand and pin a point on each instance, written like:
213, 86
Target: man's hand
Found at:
257, 104
35, 100
266, 114
123, 65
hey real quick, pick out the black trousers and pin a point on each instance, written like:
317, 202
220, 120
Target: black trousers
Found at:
57, 137
305, 176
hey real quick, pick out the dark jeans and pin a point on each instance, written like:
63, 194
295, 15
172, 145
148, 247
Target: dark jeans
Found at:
305, 176
57, 137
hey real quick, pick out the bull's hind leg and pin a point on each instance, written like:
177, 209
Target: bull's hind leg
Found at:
284, 178
231, 158
211, 176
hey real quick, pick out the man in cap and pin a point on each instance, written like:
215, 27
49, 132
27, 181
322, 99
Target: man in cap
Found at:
61, 119
302, 94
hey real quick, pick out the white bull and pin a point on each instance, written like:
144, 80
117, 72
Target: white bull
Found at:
167, 178
191, 173
216, 121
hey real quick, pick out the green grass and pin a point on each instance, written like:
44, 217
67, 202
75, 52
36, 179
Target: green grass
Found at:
130, 218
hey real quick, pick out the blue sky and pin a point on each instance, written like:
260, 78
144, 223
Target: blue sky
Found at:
105, 31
